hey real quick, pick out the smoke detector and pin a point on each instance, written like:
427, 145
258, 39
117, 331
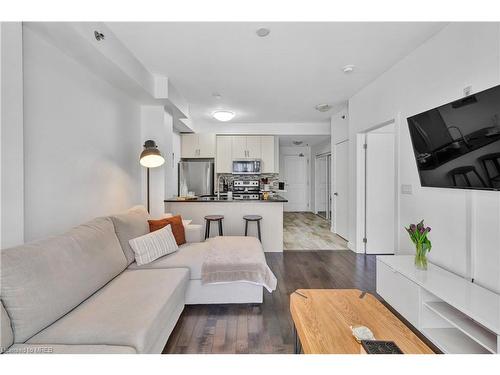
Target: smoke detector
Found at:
348, 68
323, 107
263, 32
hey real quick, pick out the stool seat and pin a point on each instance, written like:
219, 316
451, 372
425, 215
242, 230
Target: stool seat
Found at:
209, 219
252, 217
214, 217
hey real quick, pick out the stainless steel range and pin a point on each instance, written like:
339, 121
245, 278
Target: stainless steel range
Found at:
247, 190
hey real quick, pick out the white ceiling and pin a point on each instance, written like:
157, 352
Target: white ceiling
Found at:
279, 78
308, 140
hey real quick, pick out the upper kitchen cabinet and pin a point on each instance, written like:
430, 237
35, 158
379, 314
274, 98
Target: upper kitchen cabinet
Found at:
239, 143
224, 158
198, 146
254, 148
268, 154
236, 147
246, 147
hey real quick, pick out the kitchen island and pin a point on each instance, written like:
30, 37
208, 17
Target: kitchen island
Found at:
233, 210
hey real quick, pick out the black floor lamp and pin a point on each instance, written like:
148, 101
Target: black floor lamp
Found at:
151, 158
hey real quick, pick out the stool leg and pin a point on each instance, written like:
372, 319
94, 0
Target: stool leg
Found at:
258, 230
207, 228
246, 228
220, 228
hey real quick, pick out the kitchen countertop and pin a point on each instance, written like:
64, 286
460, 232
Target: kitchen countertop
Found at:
275, 199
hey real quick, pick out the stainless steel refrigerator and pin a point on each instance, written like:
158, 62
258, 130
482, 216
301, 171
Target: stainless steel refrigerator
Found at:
196, 175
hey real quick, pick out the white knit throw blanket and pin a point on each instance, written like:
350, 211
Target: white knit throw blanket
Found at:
237, 258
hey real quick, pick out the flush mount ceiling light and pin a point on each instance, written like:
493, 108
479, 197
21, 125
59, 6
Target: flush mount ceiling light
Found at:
348, 68
323, 107
223, 115
263, 32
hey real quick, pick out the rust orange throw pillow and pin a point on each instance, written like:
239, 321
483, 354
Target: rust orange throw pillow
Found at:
176, 224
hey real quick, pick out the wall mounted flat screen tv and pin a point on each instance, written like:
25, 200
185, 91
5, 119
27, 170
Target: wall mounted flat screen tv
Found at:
457, 145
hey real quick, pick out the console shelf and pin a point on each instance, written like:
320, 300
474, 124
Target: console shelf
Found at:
457, 315
486, 339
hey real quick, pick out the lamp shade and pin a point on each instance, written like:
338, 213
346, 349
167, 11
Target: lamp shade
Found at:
151, 156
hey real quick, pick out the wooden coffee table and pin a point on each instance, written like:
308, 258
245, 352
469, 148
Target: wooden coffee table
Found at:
322, 320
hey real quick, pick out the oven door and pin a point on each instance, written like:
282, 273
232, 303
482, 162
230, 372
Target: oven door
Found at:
246, 166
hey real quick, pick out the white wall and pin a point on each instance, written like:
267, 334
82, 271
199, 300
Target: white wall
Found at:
82, 142
11, 144
463, 222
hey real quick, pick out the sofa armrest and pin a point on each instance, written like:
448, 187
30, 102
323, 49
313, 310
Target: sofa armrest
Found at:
194, 233
6, 334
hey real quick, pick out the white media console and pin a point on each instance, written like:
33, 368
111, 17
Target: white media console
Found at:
455, 314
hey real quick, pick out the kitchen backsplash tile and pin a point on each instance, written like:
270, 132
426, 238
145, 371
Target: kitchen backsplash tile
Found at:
273, 179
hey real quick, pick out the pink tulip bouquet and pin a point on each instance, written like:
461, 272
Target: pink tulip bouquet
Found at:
418, 234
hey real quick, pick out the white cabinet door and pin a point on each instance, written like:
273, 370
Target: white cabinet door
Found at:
206, 145
239, 147
224, 158
267, 154
189, 146
254, 147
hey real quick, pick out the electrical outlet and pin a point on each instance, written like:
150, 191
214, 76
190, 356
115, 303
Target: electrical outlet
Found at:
406, 189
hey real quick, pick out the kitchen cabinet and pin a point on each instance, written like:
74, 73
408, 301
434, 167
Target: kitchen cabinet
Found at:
198, 146
224, 155
254, 150
239, 144
264, 148
267, 145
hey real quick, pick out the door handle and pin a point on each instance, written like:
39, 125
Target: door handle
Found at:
336, 194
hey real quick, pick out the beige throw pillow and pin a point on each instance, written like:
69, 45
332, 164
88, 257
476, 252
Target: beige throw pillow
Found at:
153, 245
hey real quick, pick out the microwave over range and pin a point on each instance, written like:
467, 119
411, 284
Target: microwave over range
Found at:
247, 166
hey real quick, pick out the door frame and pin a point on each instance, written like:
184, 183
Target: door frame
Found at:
328, 170
361, 183
334, 186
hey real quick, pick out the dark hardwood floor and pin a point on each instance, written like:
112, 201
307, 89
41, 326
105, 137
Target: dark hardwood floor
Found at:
267, 328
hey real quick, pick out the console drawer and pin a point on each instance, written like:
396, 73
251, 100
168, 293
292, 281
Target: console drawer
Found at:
399, 292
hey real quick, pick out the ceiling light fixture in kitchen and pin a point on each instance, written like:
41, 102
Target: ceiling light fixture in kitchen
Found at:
222, 115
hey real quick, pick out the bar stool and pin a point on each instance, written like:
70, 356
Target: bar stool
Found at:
256, 218
209, 219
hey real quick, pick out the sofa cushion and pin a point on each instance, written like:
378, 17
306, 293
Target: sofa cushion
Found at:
175, 222
129, 225
6, 334
130, 311
69, 349
154, 245
43, 280
190, 255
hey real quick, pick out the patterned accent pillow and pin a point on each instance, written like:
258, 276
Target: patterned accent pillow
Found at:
153, 245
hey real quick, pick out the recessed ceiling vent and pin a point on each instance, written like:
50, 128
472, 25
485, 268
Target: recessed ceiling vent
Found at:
323, 107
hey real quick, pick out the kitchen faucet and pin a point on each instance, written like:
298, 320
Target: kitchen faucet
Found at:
218, 184
461, 134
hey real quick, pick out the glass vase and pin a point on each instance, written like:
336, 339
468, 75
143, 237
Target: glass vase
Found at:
420, 258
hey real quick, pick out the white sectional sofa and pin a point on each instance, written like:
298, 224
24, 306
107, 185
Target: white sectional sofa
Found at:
82, 292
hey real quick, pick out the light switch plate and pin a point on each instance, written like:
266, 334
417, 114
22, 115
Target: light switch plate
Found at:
406, 189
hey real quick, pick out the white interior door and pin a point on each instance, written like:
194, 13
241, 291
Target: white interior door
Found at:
295, 173
380, 193
340, 196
